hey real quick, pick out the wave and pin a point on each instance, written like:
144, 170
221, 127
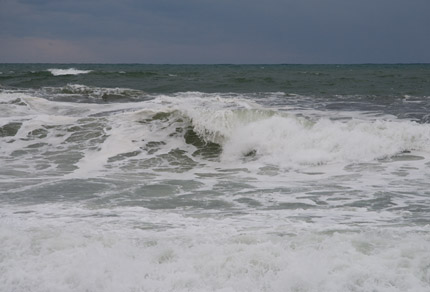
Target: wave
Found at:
246, 130
288, 140
82, 93
275, 137
191, 128
70, 71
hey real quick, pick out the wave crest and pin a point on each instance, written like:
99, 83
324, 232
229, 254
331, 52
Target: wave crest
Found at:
289, 140
70, 71
244, 129
92, 93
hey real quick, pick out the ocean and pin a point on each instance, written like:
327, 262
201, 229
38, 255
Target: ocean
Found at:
214, 178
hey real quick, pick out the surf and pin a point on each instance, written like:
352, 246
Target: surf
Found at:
69, 71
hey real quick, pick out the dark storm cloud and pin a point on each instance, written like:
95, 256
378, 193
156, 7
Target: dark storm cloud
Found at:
226, 31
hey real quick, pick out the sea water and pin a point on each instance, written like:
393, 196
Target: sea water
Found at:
214, 177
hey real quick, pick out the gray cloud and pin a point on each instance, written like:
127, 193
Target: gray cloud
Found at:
224, 31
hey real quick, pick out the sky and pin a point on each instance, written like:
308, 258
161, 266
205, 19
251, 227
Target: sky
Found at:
215, 31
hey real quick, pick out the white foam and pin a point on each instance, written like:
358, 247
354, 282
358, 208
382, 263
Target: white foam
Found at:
135, 249
240, 126
286, 139
78, 88
119, 140
70, 71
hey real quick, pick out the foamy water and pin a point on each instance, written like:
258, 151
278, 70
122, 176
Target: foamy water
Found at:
115, 189
131, 249
69, 71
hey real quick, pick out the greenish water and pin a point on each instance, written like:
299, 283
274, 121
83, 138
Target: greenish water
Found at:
315, 80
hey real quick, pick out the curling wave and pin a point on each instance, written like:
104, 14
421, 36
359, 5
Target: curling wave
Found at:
242, 127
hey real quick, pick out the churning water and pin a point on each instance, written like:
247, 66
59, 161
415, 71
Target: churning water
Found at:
214, 178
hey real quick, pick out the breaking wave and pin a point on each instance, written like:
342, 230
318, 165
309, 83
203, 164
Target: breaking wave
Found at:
83, 93
278, 137
205, 126
70, 71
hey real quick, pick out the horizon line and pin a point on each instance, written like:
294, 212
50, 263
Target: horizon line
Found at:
213, 64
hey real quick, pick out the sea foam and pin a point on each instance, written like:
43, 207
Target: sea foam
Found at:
242, 128
135, 249
70, 71
280, 137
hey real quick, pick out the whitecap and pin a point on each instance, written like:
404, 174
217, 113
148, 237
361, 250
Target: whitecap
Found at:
70, 71
295, 140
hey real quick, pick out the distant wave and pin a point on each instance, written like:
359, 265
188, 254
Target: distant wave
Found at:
95, 93
70, 71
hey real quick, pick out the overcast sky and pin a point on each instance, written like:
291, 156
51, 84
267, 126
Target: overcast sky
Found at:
215, 31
